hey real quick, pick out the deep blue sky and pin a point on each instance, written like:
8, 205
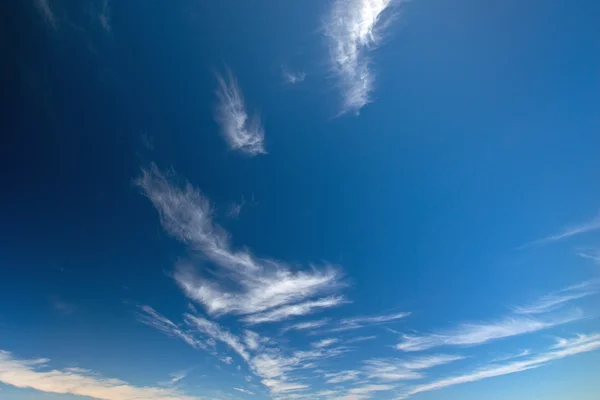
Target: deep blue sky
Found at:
456, 198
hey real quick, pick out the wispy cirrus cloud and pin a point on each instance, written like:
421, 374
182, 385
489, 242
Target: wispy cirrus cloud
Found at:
564, 348
469, 334
293, 77
265, 290
46, 11
303, 326
104, 15
294, 310
555, 300
360, 339
585, 227
354, 29
342, 376
26, 374
241, 130
245, 391
218, 333
361, 322
325, 342
150, 317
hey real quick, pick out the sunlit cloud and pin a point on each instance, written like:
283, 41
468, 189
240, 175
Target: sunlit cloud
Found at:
354, 29
564, 348
585, 227
241, 130
469, 334
268, 289
26, 374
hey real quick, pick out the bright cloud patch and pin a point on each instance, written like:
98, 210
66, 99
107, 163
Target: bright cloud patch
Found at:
354, 30
264, 289
241, 130
27, 374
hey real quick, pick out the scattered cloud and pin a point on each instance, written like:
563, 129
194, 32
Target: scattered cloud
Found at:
589, 226
242, 131
360, 339
361, 322
218, 333
553, 301
176, 377
151, 318
244, 391
564, 348
325, 342
343, 376
307, 325
26, 374
293, 77
354, 29
104, 15
469, 334
294, 310
44, 8
267, 289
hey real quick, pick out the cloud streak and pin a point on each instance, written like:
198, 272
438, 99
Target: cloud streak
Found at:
267, 289
242, 131
586, 227
469, 334
564, 348
354, 29
26, 374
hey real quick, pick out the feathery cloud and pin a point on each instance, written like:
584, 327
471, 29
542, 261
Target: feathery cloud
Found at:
361, 322
588, 226
269, 289
104, 15
303, 326
242, 131
150, 317
478, 333
343, 376
218, 333
360, 339
45, 9
354, 29
293, 77
294, 310
555, 300
325, 342
564, 348
243, 391
25, 374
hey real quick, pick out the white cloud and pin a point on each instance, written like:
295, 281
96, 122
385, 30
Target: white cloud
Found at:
26, 374
218, 333
343, 376
325, 342
293, 77
104, 15
565, 348
244, 391
478, 333
175, 377
361, 322
586, 227
270, 289
45, 9
293, 310
354, 29
151, 318
242, 131
553, 301
360, 339
302, 326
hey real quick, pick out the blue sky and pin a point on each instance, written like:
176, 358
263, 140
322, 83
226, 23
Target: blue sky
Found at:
341, 199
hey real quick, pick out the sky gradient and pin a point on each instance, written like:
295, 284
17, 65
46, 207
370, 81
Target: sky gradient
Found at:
331, 200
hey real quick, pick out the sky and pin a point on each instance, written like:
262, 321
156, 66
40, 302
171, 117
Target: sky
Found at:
317, 199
